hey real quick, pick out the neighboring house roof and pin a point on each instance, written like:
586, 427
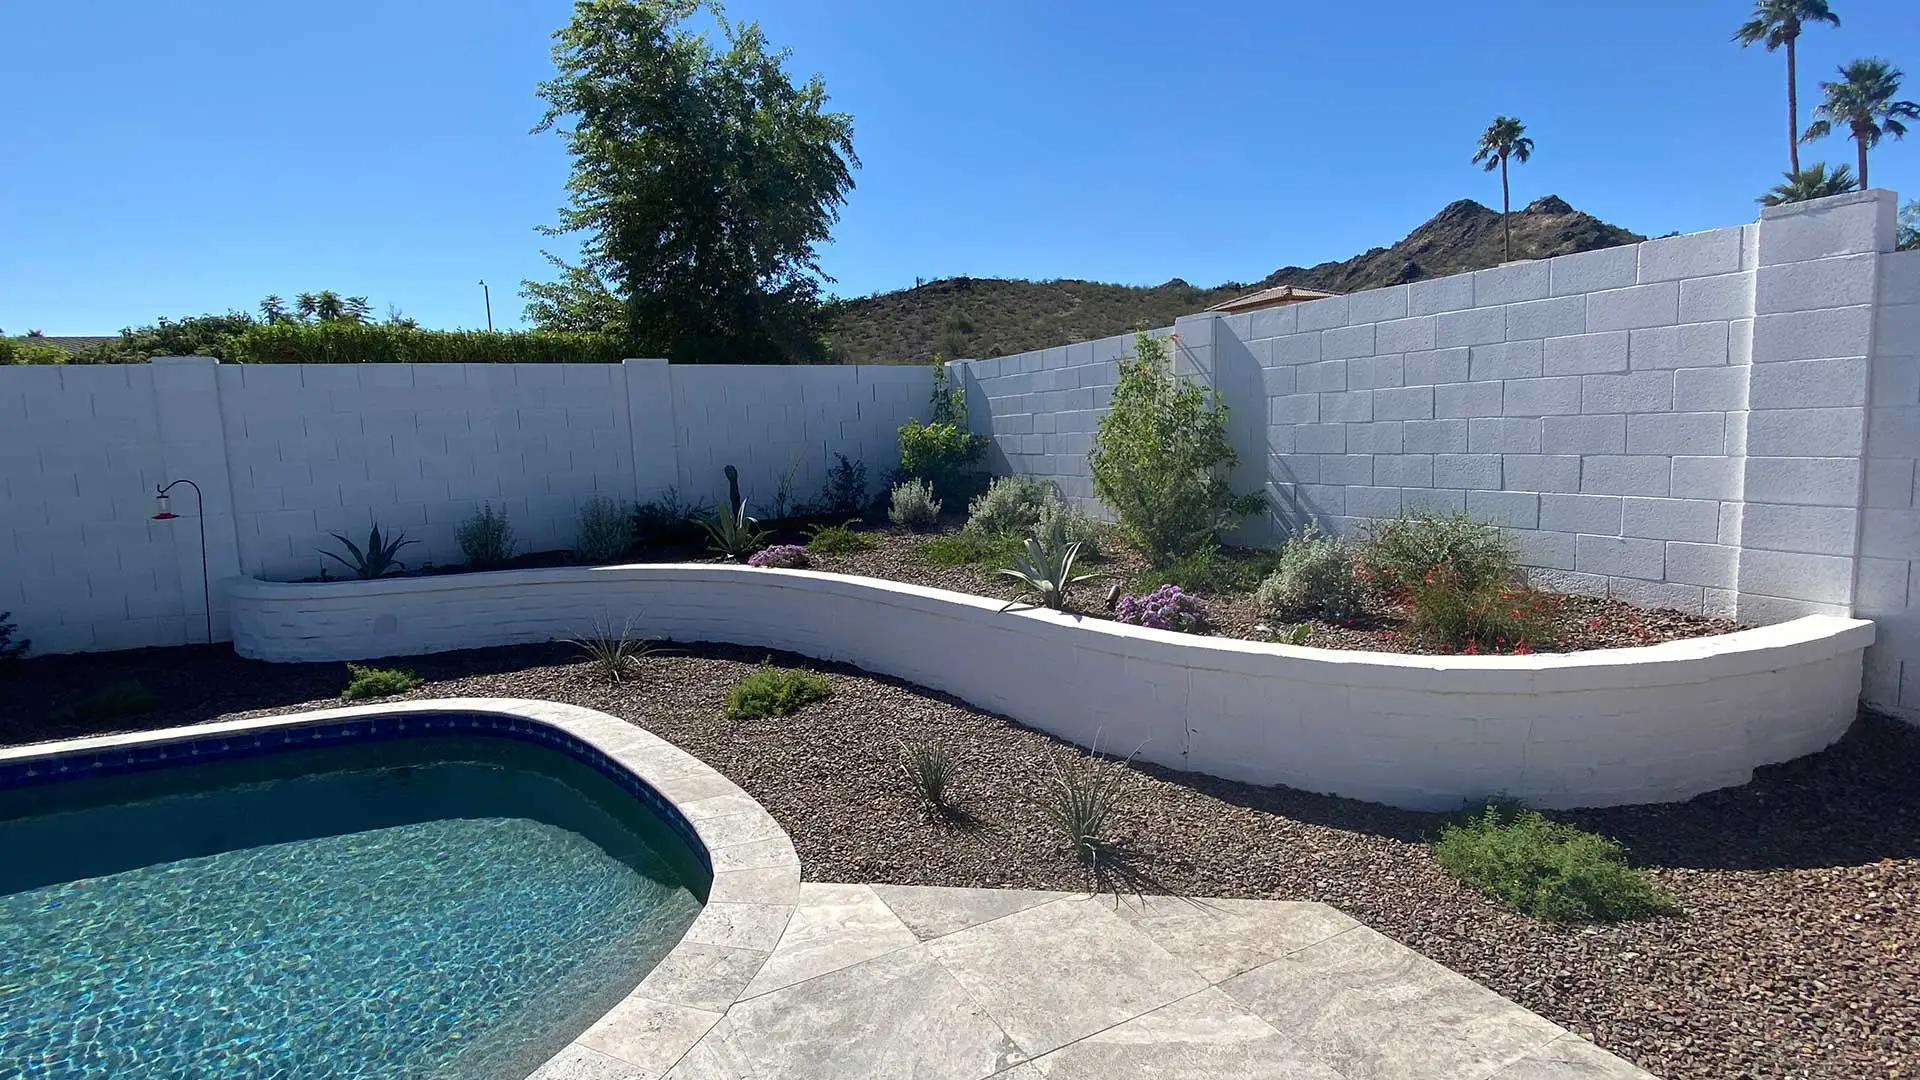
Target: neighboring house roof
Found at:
70, 344
1274, 297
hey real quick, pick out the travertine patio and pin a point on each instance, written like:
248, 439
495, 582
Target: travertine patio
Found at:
888, 981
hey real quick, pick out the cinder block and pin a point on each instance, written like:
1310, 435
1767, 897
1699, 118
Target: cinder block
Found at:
1676, 433
1599, 515
1540, 472
1347, 407
1897, 330
1378, 437
1816, 530
1632, 308
1894, 380
1280, 380
1636, 474
1696, 255
1794, 576
1510, 284
1890, 429
1404, 335
1297, 349
1692, 345
1584, 434
1711, 565
1321, 378
1586, 354
1806, 432
1374, 372
1436, 366
1440, 294
1377, 305
1812, 335
1620, 556
1900, 277
1889, 533
1594, 271
1470, 399
1710, 299
1826, 283
1545, 550
1403, 470
1720, 389
1513, 509
1372, 502
1889, 481
1634, 392
1695, 520
1503, 435
1841, 225
1472, 472
1298, 468
1322, 314
1880, 587
1477, 326
1322, 438
1541, 397
1346, 341
1294, 409
1403, 403
1345, 469
1438, 500
1442, 437
1507, 360
1796, 384
1273, 322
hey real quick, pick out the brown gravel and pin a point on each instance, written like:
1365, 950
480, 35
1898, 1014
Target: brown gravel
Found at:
1793, 956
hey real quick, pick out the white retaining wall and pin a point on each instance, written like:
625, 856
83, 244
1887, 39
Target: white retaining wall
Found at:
289, 453
1724, 423
1609, 727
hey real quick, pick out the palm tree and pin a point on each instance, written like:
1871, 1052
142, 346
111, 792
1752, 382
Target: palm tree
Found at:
1504, 138
1863, 101
1812, 182
1777, 23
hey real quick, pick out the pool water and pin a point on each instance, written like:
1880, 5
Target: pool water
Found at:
445, 907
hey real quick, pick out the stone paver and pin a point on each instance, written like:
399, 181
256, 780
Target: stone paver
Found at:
837, 926
934, 912
1202, 1037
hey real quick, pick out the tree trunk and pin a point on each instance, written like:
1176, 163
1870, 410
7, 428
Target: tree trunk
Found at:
1506, 207
1793, 110
1862, 144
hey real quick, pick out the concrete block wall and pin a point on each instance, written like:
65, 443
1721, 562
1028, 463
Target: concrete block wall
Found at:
286, 454
1886, 582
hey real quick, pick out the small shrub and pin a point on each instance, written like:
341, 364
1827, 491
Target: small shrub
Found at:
1211, 570
1011, 506
733, 533
1073, 523
1396, 554
486, 538
9, 648
1473, 617
965, 549
1166, 608
606, 531
837, 540
114, 702
1159, 457
29, 352
371, 682
613, 653
929, 767
1315, 579
665, 522
913, 506
377, 560
783, 556
1297, 634
1548, 869
1044, 570
772, 691
1080, 800
940, 451
845, 491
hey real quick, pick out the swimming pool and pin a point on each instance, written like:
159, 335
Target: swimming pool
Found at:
415, 896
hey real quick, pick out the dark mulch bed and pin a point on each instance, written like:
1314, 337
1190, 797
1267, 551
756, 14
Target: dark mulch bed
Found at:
1793, 956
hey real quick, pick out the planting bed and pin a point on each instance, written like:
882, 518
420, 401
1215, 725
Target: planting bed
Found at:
1793, 954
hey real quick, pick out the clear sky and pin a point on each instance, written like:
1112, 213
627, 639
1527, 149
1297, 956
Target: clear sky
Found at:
167, 157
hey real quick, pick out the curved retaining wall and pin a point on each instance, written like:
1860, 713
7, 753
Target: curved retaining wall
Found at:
1603, 728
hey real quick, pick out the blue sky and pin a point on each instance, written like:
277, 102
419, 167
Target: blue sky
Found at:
165, 157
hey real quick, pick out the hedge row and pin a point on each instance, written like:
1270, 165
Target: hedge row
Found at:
372, 343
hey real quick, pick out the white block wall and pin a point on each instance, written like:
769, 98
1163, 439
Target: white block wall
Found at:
1887, 586
287, 454
1427, 732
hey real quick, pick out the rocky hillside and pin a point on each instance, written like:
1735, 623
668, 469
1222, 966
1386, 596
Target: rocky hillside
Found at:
992, 316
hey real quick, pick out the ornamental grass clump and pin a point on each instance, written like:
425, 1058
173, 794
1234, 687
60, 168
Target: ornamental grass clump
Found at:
1168, 607
837, 539
1315, 579
782, 556
1548, 869
613, 653
929, 767
772, 691
1081, 799
913, 506
371, 682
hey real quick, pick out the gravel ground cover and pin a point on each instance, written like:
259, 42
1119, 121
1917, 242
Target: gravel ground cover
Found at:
1793, 955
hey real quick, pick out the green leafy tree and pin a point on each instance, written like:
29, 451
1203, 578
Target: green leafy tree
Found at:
1504, 138
1159, 455
1777, 24
1863, 101
1910, 226
702, 180
1812, 182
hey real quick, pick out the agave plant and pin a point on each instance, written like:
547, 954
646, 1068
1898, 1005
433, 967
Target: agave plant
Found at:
733, 533
613, 653
1045, 570
929, 767
377, 560
1080, 799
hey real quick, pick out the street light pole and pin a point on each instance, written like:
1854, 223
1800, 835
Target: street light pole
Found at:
488, 295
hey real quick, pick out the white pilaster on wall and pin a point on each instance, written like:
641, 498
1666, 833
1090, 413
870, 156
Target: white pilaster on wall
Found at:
650, 423
193, 445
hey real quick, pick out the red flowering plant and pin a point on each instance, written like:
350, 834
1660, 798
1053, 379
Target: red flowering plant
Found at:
1472, 617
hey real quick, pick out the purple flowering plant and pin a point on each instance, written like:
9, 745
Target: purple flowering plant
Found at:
1168, 607
784, 556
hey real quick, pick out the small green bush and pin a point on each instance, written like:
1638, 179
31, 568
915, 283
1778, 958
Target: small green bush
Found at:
1211, 570
486, 538
1472, 617
965, 549
606, 531
1548, 869
1072, 523
371, 682
938, 453
845, 491
1315, 579
913, 506
772, 691
837, 540
114, 702
667, 521
1393, 555
341, 342
28, 351
1011, 506
9, 648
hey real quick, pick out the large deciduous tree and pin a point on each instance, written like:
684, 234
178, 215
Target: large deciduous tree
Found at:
1505, 138
1777, 23
1863, 101
703, 177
